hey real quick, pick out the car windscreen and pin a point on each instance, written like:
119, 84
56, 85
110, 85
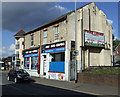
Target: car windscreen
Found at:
21, 71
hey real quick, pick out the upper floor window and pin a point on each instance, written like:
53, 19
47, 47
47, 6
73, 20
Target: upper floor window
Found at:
45, 36
32, 40
23, 43
56, 34
17, 54
18, 45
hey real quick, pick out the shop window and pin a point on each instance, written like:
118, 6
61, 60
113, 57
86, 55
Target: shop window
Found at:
57, 57
34, 62
57, 62
27, 63
56, 34
32, 40
45, 36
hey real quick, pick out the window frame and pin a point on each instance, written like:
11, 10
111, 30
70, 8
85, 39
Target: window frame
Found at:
32, 40
56, 33
45, 36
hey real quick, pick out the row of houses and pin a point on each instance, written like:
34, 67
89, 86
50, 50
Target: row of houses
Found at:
47, 51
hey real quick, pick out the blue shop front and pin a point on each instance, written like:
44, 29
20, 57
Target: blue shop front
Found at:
31, 61
53, 61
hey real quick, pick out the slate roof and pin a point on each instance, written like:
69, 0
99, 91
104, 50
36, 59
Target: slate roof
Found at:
117, 46
20, 33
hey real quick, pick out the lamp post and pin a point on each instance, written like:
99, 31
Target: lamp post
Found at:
75, 44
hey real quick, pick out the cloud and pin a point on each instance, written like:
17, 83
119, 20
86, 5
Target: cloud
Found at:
110, 21
4, 51
114, 30
12, 47
63, 9
29, 15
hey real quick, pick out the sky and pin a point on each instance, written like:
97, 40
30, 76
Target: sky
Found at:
30, 15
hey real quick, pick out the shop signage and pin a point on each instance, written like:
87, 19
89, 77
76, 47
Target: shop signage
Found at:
94, 39
33, 51
72, 45
31, 55
55, 50
55, 47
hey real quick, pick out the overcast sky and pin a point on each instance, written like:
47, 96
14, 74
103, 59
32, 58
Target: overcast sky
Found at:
30, 15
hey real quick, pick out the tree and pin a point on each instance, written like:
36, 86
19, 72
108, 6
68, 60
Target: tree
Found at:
115, 43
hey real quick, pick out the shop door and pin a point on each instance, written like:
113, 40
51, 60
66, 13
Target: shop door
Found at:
44, 64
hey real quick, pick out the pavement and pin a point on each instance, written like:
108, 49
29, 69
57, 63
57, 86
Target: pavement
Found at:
79, 87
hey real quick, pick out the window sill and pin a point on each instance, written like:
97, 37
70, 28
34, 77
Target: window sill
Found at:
55, 72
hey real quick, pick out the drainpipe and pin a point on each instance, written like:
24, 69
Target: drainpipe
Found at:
81, 39
39, 55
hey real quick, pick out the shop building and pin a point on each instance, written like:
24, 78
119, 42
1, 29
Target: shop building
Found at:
56, 42
31, 53
19, 46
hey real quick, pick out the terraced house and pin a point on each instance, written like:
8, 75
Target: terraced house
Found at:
49, 48
19, 46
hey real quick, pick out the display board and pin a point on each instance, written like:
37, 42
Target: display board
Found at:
95, 39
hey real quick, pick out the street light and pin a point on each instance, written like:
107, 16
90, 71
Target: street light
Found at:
75, 44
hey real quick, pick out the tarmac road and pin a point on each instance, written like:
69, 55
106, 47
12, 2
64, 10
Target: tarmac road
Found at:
34, 89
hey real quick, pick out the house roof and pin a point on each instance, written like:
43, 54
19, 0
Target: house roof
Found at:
61, 18
20, 33
117, 46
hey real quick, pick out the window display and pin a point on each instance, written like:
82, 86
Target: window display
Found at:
34, 62
27, 63
57, 57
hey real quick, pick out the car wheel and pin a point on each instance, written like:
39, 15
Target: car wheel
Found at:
15, 80
8, 78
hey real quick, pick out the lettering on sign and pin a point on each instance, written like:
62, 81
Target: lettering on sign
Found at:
54, 45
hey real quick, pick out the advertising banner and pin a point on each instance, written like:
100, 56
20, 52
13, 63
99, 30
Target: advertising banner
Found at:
56, 76
94, 39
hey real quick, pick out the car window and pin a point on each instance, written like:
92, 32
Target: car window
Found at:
21, 71
11, 71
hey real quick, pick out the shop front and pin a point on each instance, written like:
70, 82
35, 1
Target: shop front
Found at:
31, 62
53, 61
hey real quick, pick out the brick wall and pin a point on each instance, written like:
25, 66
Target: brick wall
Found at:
99, 79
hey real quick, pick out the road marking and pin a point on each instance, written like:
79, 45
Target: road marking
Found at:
70, 89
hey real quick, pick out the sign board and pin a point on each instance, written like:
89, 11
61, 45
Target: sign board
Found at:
55, 47
32, 55
94, 39
75, 52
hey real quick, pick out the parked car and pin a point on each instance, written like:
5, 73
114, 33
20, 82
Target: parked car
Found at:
18, 75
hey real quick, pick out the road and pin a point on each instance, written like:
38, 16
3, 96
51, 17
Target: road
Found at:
34, 89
